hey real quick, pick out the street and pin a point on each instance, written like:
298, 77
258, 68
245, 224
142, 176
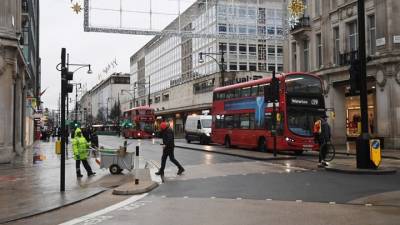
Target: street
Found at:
223, 189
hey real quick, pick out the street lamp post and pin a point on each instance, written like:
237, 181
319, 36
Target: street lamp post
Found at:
221, 64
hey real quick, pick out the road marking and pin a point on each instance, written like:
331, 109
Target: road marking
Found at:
99, 213
212, 197
163, 196
368, 204
332, 203
238, 198
185, 197
299, 201
268, 199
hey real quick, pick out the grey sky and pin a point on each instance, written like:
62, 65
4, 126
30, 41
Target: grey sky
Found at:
61, 27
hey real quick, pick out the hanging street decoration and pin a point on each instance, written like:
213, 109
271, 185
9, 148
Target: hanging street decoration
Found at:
296, 9
76, 8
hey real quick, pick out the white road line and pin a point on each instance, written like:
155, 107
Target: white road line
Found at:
105, 210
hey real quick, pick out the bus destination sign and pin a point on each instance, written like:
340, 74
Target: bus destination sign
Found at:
304, 101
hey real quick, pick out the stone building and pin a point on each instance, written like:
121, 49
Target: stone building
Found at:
19, 76
326, 41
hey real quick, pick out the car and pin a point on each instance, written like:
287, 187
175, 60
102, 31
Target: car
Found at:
198, 128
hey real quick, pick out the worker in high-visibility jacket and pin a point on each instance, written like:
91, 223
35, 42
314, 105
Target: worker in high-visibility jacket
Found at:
80, 147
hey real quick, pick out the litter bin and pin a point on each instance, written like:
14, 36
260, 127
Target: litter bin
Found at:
58, 147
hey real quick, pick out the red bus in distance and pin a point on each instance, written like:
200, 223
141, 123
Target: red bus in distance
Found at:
140, 122
242, 116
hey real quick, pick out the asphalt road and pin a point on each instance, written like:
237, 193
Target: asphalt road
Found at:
222, 189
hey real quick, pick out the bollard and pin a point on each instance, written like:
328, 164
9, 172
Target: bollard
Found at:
137, 165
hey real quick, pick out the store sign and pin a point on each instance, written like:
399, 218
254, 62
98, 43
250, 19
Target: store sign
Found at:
304, 101
396, 39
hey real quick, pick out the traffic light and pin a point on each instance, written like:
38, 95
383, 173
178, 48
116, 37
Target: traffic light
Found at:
271, 91
355, 74
67, 76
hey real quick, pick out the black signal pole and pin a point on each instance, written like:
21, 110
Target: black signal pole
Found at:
363, 158
63, 130
274, 130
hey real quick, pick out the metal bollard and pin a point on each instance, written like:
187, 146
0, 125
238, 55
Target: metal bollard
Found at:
137, 165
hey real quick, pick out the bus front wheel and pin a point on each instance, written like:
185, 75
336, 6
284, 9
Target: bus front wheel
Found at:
228, 142
262, 147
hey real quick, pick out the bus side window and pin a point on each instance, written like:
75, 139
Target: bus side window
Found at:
236, 121
254, 91
268, 121
237, 93
252, 121
261, 90
246, 91
228, 122
244, 121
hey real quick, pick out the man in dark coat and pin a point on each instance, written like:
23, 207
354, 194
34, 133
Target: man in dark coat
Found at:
324, 138
169, 144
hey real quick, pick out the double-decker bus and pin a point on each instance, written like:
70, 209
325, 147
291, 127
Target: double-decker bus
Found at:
242, 116
141, 122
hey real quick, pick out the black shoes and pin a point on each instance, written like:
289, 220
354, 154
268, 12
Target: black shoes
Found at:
91, 174
180, 171
159, 173
79, 175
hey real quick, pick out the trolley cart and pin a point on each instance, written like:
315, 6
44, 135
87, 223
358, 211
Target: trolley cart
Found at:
116, 160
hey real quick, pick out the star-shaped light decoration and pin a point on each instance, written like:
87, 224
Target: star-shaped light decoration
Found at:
296, 8
293, 21
76, 8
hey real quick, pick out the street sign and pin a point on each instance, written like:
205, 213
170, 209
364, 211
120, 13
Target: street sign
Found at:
375, 151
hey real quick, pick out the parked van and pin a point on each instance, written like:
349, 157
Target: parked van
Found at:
198, 128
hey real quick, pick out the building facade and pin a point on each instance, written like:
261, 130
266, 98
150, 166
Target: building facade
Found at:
181, 84
19, 76
325, 42
95, 105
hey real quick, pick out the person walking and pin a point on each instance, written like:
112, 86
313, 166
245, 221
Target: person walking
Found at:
323, 138
80, 148
168, 150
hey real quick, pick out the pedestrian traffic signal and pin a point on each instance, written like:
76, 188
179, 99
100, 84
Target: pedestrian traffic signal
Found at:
355, 74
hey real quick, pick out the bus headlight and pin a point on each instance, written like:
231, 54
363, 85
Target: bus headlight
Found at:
138, 134
288, 139
208, 134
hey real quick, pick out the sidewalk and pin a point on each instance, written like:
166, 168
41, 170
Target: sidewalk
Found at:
33, 189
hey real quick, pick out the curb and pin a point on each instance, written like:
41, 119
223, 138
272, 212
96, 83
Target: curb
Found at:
241, 156
383, 156
50, 209
143, 188
352, 170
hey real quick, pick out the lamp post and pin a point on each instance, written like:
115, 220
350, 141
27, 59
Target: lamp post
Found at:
221, 64
132, 96
76, 99
66, 88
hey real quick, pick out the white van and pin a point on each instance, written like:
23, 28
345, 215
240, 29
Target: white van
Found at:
198, 128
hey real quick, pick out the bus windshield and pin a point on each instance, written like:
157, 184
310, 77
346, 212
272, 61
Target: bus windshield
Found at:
303, 84
146, 126
301, 122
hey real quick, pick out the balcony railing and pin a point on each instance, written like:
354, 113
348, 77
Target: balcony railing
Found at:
346, 58
304, 22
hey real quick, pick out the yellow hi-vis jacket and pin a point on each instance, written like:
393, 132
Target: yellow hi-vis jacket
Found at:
79, 146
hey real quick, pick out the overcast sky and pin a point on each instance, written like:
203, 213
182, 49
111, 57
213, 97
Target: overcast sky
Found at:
61, 27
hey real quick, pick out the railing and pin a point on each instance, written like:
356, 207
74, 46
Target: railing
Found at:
346, 58
304, 22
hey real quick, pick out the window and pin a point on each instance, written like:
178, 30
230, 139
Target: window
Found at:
353, 36
271, 30
245, 121
261, 90
252, 29
233, 66
157, 99
261, 16
336, 45
271, 67
230, 94
165, 97
242, 12
242, 49
228, 122
261, 30
222, 47
294, 56
252, 49
254, 91
232, 28
242, 29
306, 55
252, 13
319, 50
261, 67
317, 7
280, 67
222, 28
251, 121
236, 121
371, 35
237, 93
252, 66
246, 91
243, 66
232, 48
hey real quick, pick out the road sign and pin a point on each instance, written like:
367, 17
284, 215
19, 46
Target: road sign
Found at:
375, 151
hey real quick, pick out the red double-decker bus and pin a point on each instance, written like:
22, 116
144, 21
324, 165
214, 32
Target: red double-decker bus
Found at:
141, 122
242, 116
